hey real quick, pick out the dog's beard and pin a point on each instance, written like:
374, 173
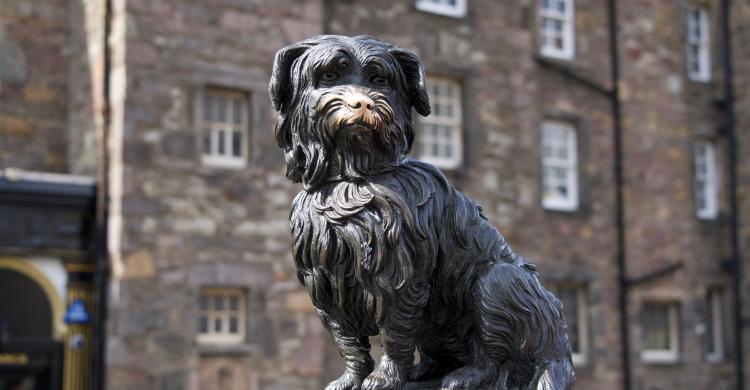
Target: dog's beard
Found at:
360, 146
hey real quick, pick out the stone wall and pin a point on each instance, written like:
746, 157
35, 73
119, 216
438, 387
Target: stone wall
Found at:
51, 74
741, 56
664, 114
35, 39
179, 225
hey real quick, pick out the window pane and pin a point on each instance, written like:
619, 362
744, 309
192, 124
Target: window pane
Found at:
218, 303
207, 114
234, 302
656, 327
221, 108
710, 339
237, 111
207, 141
203, 324
714, 327
220, 142
236, 144
217, 325
234, 324
569, 298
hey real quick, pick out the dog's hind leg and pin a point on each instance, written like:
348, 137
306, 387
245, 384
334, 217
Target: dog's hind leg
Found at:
556, 375
354, 349
522, 328
471, 377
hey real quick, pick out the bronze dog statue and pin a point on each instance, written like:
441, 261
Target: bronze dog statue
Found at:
385, 246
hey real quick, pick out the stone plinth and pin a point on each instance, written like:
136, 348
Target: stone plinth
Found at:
432, 385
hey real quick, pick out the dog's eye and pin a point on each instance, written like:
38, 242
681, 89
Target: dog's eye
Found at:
380, 81
330, 76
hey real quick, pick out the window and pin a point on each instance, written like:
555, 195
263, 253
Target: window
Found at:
714, 325
557, 23
455, 8
706, 183
559, 166
698, 50
440, 138
573, 298
660, 332
224, 127
221, 318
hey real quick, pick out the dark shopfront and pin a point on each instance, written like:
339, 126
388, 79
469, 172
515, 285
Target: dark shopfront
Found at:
47, 269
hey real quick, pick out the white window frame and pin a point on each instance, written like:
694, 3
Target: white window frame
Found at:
700, 41
570, 165
706, 181
454, 123
579, 357
211, 124
224, 335
671, 354
715, 314
567, 37
458, 10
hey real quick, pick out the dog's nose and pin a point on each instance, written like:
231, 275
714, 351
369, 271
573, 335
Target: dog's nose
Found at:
358, 102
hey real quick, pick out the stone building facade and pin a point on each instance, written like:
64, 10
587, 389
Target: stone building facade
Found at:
202, 290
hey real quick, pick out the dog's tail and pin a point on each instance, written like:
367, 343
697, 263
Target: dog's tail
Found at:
523, 327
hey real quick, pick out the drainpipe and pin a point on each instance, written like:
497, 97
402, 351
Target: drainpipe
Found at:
729, 129
101, 277
619, 203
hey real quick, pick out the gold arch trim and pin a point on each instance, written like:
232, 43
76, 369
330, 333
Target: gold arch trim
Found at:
28, 269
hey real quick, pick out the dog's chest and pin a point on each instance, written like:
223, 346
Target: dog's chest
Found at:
336, 225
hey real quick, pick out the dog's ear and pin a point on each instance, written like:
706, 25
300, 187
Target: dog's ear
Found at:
280, 87
415, 79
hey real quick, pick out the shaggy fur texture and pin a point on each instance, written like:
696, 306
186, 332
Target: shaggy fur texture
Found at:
385, 246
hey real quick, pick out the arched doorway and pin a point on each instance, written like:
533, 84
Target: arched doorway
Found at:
30, 314
26, 318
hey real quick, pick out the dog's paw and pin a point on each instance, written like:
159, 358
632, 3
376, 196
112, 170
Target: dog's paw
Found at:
467, 378
388, 376
345, 382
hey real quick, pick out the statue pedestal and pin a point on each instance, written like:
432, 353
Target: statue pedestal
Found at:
431, 385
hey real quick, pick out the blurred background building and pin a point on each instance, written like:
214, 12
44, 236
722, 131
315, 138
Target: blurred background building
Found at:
144, 240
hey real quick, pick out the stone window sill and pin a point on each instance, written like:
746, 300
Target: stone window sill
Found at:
227, 349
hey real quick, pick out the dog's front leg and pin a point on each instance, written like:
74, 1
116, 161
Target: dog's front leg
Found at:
355, 349
398, 335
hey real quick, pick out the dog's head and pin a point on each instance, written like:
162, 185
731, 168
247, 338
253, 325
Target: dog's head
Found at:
344, 106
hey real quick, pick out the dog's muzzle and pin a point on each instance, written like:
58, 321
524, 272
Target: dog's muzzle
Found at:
353, 108
360, 105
